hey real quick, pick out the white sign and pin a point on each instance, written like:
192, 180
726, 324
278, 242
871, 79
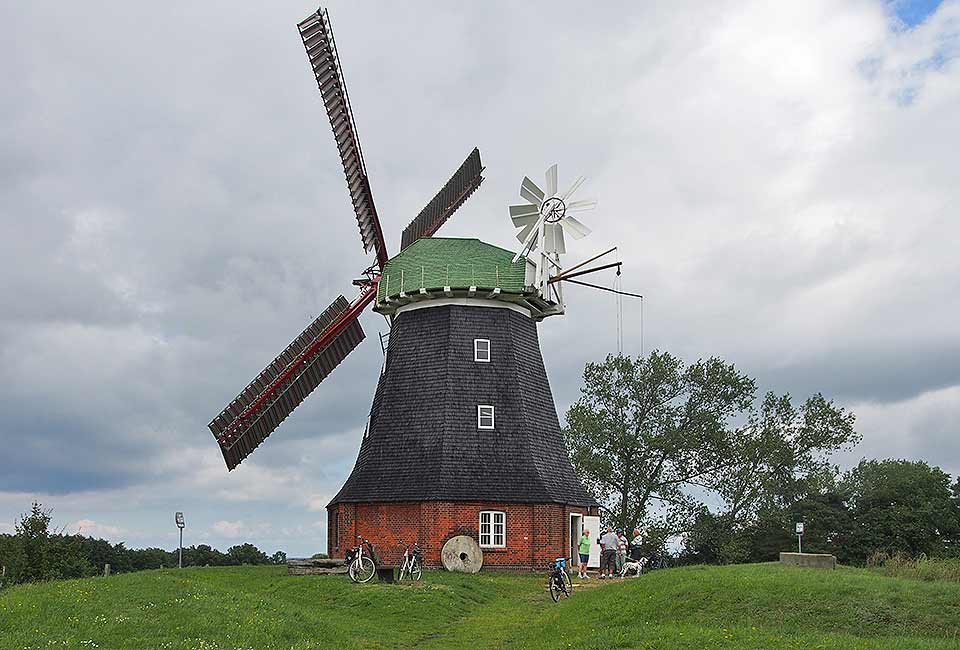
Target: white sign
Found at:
800, 528
179, 520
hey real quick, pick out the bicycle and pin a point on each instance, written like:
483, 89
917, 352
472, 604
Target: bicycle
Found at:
657, 561
362, 567
560, 582
412, 561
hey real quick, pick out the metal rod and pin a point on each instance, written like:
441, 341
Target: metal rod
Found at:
595, 257
564, 276
180, 561
641, 326
597, 286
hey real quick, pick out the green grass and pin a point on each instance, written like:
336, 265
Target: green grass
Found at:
921, 568
749, 606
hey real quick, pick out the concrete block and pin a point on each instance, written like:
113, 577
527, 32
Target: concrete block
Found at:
809, 560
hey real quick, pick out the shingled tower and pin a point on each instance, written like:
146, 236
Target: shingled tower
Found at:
463, 436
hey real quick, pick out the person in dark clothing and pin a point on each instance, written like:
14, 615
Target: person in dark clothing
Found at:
636, 546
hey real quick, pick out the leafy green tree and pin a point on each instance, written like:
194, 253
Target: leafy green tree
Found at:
710, 540
11, 559
246, 554
203, 555
652, 438
646, 431
278, 558
151, 558
827, 527
33, 531
67, 558
778, 453
900, 506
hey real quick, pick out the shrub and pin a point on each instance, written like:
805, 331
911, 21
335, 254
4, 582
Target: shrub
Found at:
920, 568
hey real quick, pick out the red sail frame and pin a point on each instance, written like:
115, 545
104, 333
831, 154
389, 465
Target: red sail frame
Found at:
366, 296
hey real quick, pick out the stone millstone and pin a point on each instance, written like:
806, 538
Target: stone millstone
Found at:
463, 554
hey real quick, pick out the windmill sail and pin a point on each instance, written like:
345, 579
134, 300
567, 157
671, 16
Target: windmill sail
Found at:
266, 402
317, 37
460, 186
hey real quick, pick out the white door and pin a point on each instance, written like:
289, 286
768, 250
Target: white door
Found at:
593, 525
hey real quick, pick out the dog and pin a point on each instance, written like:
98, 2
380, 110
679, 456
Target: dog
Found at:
634, 566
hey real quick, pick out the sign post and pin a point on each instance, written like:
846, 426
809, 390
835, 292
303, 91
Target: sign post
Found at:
179, 519
799, 536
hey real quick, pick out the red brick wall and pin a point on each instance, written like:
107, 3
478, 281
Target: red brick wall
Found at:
535, 533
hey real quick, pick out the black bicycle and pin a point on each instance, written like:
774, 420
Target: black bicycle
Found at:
657, 561
560, 583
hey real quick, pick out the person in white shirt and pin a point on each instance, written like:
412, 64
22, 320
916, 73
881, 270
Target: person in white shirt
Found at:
608, 554
621, 550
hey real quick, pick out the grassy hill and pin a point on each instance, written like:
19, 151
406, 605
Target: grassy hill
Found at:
750, 606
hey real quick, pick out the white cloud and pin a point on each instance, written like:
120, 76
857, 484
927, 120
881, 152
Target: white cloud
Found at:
229, 529
91, 528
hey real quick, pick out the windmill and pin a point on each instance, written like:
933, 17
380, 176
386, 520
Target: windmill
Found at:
284, 384
542, 222
462, 438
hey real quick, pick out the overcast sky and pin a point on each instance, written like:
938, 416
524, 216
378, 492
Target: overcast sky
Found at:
782, 180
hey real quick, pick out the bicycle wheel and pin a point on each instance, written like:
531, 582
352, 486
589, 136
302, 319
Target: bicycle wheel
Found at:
568, 583
554, 589
363, 570
416, 569
403, 571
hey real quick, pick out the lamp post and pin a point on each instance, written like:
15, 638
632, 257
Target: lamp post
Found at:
799, 536
179, 519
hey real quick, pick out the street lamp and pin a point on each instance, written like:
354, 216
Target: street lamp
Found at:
179, 518
799, 530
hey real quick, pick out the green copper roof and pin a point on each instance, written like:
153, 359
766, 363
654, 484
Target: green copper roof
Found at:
438, 262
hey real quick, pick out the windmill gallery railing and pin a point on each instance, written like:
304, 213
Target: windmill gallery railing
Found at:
451, 275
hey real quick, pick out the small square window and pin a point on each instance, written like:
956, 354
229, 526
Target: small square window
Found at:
484, 417
481, 349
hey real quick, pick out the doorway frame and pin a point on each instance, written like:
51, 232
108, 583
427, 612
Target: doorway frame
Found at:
574, 550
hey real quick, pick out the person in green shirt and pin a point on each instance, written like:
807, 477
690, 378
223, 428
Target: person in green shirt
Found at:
584, 549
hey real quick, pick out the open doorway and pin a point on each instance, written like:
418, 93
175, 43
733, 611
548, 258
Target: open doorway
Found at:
576, 529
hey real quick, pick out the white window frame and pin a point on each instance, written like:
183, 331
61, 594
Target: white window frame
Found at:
476, 350
481, 416
492, 529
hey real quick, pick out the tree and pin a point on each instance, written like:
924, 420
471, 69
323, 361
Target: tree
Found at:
779, 452
246, 554
900, 506
203, 555
11, 558
33, 531
827, 527
652, 438
647, 430
711, 541
278, 558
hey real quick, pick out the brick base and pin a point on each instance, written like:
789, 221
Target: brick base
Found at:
536, 533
